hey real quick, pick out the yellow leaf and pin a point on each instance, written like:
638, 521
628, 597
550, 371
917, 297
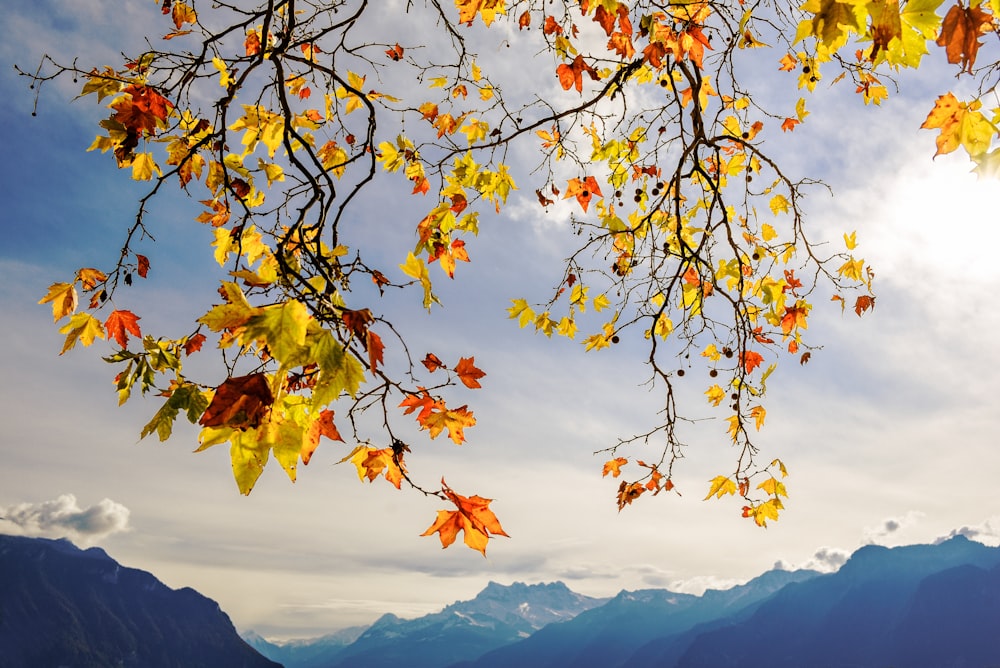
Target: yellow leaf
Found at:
715, 395
81, 327
415, 268
143, 167
851, 240
774, 487
721, 485
758, 413
522, 312
64, 300
779, 204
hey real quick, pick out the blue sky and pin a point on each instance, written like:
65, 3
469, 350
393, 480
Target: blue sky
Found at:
890, 433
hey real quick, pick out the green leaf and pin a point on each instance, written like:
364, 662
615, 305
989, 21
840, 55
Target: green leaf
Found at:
282, 328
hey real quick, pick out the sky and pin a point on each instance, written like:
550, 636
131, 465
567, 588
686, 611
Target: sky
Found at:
890, 433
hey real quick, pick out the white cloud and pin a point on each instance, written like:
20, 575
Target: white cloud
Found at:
987, 532
62, 517
889, 527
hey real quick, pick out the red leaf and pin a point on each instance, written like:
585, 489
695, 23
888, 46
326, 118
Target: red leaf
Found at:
143, 265
194, 343
120, 324
240, 402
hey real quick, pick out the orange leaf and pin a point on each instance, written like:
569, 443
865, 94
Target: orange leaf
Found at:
789, 124
375, 350
468, 373
396, 52
960, 33
425, 402
142, 267
750, 360
120, 324
252, 44
613, 466
863, 303
473, 517
583, 191
240, 402
432, 362
571, 75
524, 21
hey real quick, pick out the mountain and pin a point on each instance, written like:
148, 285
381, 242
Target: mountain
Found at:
312, 653
498, 615
607, 636
916, 606
62, 606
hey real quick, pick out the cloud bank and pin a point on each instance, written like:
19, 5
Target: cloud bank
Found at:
62, 517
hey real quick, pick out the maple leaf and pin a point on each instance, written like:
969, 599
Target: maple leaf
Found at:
721, 485
863, 303
468, 373
613, 466
750, 360
960, 33
120, 324
432, 362
375, 349
583, 190
142, 265
241, 402
424, 401
571, 75
961, 124
395, 53
194, 343
64, 300
455, 421
81, 327
473, 517
373, 462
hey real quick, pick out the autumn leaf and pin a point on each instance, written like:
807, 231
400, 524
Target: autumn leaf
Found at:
720, 486
432, 362
571, 75
960, 33
81, 327
613, 466
375, 349
120, 324
239, 403
750, 360
64, 300
473, 517
194, 343
863, 303
423, 401
373, 462
468, 373
455, 421
961, 124
583, 190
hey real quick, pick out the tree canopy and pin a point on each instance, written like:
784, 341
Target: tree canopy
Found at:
648, 118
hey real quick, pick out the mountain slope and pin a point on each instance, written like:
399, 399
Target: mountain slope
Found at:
499, 615
62, 606
312, 653
920, 605
608, 635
